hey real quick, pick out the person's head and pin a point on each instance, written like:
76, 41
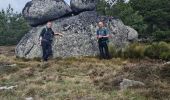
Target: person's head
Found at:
49, 24
101, 24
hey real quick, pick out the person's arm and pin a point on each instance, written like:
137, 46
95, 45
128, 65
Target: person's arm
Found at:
40, 39
98, 35
58, 34
106, 36
41, 35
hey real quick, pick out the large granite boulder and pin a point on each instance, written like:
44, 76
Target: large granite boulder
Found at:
37, 12
83, 5
79, 36
132, 34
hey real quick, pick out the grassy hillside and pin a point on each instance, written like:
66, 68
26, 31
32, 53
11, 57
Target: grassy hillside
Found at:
83, 78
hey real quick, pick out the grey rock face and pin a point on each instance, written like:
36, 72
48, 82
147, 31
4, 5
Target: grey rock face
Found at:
79, 36
132, 34
83, 5
37, 12
126, 83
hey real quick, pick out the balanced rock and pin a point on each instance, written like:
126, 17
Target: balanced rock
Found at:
79, 36
37, 12
83, 5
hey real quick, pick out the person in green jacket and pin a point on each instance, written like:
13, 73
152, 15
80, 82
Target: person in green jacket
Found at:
103, 40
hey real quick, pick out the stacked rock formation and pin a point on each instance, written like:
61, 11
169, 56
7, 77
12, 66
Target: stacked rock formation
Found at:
79, 30
38, 12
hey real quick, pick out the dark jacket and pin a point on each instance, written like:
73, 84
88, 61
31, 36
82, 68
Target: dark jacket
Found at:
47, 34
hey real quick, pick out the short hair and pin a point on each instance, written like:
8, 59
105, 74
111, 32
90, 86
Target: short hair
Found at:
101, 22
49, 22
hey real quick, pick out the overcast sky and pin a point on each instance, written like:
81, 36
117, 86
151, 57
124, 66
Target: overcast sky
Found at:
18, 5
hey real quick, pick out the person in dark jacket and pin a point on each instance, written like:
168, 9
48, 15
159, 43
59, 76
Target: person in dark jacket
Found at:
46, 39
103, 40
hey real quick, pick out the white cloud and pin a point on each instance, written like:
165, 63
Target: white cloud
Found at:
18, 5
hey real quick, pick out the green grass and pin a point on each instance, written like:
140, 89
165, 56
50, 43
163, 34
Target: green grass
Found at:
74, 79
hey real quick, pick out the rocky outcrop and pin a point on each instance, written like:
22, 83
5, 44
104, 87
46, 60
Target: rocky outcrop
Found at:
37, 12
79, 36
79, 30
132, 34
83, 5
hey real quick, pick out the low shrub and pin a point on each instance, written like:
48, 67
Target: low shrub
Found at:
151, 51
165, 56
159, 50
161, 35
155, 50
134, 51
112, 50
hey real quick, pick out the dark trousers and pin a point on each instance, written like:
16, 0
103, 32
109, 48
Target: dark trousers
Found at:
47, 50
104, 51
